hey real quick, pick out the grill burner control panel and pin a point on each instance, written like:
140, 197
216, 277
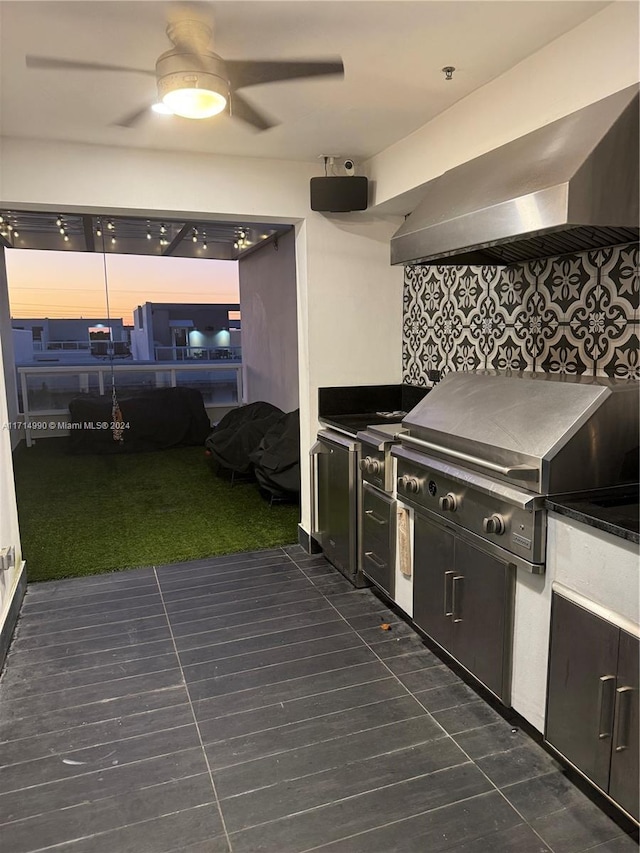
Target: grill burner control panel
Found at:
489, 516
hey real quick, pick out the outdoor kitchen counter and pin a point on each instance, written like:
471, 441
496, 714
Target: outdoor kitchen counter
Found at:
615, 510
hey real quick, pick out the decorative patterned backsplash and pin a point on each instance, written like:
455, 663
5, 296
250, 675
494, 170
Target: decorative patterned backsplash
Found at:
573, 314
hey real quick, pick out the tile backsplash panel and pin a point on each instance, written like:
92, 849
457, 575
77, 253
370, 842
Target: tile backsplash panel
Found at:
573, 314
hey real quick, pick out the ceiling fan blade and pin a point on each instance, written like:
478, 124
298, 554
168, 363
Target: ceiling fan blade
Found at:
251, 73
71, 65
239, 108
133, 118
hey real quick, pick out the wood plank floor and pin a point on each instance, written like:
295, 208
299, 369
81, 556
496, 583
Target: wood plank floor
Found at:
253, 703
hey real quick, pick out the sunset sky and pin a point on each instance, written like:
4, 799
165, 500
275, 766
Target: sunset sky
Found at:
72, 284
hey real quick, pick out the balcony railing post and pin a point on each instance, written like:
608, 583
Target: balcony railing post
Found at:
239, 386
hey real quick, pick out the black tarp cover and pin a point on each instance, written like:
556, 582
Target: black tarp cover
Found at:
157, 419
239, 433
277, 458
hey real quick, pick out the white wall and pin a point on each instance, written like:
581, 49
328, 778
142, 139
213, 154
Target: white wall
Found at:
349, 298
596, 59
9, 533
270, 324
22, 346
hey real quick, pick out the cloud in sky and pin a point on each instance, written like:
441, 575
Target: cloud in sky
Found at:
72, 284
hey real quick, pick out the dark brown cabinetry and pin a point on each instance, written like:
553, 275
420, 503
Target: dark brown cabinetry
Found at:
592, 700
463, 599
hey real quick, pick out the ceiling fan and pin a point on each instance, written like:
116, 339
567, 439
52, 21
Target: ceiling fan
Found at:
194, 82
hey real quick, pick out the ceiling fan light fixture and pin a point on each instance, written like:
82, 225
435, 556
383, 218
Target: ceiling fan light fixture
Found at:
193, 95
162, 109
195, 103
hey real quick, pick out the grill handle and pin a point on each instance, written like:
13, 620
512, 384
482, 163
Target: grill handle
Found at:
521, 472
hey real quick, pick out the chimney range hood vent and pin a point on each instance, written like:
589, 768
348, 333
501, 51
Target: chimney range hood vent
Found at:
568, 186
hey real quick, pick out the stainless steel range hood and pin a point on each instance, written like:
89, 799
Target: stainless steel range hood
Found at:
569, 186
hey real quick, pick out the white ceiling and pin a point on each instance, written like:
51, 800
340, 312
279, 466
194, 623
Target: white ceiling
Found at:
393, 52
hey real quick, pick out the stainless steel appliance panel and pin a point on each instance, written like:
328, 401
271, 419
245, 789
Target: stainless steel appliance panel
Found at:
530, 428
582, 688
464, 599
486, 513
567, 186
378, 538
433, 579
482, 611
623, 782
373, 468
336, 467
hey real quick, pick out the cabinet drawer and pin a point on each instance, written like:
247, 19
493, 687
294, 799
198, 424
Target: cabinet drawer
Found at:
378, 515
378, 538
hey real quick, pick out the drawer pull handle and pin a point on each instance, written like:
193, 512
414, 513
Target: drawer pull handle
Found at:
374, 517
456, 592
372, 559
605, 706
448, 584
622, 716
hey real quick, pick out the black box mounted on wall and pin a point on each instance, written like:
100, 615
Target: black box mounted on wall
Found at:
339, 195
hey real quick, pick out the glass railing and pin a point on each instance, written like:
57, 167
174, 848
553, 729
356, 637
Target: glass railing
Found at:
44, 393
198, 353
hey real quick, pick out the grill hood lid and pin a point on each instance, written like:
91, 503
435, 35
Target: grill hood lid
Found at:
568, 186
574, 432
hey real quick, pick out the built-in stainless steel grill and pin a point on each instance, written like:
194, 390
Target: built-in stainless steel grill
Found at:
485, 447
474, 465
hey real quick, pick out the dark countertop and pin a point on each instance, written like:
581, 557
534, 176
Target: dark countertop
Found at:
614, 510
353, 424
351, 408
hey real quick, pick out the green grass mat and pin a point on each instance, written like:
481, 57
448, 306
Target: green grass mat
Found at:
83, 515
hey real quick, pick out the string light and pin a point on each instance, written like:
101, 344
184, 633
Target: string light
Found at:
66, 238
15, 233
204, 240
194, 236
113, 240
59, 221
162, 229
109, 225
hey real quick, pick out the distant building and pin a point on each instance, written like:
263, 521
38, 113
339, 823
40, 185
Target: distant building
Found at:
70, 340
178, 331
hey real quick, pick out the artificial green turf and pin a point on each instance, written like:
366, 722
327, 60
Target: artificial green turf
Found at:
83, 515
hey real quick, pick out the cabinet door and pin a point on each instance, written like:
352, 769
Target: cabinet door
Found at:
432, 581
623, 782
482, 604
583, 662
378, 538
336, 515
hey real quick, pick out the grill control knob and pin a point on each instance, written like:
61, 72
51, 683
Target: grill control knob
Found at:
371, 465
375, 466
449, 502
409, 484
493, 524
413, 485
